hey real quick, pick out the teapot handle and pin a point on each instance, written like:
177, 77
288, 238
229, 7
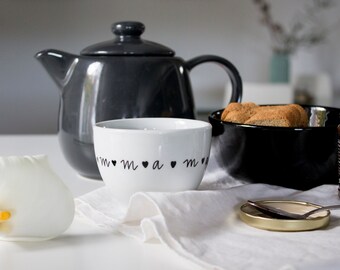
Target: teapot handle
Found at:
235, 78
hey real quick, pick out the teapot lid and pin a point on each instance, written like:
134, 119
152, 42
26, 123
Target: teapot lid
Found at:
127, 42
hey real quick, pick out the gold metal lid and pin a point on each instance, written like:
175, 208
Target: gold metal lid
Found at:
255, 218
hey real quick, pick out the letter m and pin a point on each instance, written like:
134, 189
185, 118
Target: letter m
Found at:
190, 162
104, 162
128, 164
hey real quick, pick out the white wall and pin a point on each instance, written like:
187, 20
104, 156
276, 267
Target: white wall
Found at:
229, 28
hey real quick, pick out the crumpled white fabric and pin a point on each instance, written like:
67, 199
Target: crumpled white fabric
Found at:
203, 226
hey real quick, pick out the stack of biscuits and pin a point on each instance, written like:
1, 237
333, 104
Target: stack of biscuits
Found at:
292, 115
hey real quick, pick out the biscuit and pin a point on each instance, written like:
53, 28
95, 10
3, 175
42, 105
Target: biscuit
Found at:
292, 115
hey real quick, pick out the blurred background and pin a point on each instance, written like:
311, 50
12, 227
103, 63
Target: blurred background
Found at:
29, 99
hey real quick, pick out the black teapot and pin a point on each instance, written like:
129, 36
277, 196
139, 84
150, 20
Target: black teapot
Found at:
121, 78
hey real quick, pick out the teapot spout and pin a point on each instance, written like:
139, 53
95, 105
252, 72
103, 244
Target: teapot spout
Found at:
58, 64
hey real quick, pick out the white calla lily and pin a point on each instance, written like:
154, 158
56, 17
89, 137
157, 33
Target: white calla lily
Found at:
35, 204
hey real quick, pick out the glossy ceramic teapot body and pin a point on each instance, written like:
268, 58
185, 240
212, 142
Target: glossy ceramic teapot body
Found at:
124, 78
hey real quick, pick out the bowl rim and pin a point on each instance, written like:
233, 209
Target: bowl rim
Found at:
214, 120
193, 125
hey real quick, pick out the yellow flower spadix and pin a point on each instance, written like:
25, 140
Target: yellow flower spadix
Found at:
4, 215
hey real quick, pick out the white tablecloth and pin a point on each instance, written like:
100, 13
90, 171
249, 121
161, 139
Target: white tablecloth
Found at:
204, 227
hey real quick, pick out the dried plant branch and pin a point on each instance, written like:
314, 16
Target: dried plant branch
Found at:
306, 28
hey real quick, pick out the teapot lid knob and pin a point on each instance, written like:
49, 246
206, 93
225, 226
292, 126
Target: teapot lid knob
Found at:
128, 28
127, 42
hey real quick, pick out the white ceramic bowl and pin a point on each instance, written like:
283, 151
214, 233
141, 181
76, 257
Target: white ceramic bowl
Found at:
152, 154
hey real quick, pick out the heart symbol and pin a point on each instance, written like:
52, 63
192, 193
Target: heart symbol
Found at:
173, 164
145, 164
203, 160
114, 162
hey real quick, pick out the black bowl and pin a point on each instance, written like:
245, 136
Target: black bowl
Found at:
300, 158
